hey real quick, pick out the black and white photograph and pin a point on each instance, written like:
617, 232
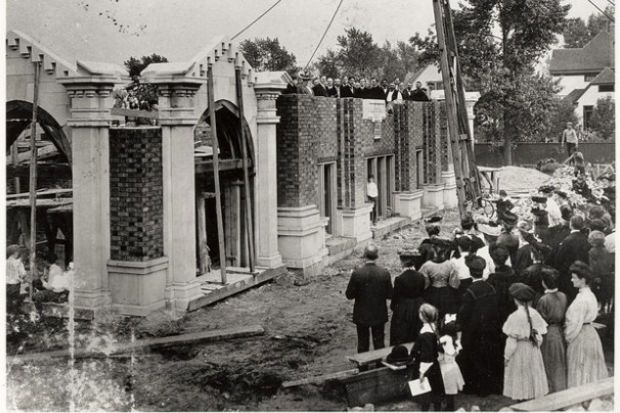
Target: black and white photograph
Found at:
295, 205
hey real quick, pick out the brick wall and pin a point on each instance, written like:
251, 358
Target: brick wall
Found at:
136, 194
314, 130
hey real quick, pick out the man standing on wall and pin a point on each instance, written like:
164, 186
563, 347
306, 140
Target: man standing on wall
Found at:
370, 286
569, 137
372, 192
419, 94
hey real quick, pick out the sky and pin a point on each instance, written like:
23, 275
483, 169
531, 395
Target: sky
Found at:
178, 29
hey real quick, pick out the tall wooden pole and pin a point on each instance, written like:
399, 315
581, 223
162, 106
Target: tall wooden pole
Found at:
33, 177
216, 172
244, 160
451, 110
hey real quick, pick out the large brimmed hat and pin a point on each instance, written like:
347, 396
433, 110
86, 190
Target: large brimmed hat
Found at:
561, 194
399, 355
434, 219
521, 292
539, 199
510, 219
475, 264
546, 189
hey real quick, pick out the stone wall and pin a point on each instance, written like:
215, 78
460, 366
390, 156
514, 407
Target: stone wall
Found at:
527, 153
136, 194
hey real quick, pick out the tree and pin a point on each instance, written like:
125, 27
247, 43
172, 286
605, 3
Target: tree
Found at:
577, 33
136, 66
603, 120
267, 55
502, 67
358, 55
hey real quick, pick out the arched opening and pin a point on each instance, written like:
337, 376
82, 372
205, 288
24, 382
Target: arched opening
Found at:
54, 181
231, 185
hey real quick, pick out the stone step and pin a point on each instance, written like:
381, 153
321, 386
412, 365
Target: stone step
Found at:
386, 226
339, 247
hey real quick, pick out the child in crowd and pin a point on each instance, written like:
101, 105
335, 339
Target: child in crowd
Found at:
524, 374
425, 352
15, 275
451, 373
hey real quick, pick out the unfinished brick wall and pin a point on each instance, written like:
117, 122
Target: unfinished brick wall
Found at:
313, 130
136, 194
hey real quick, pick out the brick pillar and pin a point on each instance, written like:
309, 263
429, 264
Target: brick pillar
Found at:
267, 89
91, 101
138, 266
177, 117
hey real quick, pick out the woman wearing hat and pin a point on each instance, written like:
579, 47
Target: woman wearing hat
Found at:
584, 353
407, 297
603, 269
524, 375
442, 278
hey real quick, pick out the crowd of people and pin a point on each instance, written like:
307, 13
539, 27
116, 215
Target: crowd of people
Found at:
351, 87
52, 286
499, 307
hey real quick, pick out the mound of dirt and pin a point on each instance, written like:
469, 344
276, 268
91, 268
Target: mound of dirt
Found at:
515, 178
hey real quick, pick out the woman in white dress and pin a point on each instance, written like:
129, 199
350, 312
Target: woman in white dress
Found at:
585, 358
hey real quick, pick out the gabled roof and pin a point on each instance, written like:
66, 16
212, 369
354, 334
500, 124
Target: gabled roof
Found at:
593, 57
574, 96
606, 77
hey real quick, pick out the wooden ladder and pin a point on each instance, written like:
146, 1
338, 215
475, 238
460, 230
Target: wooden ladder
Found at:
463, 158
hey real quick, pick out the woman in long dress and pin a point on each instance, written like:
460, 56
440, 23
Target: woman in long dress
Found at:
524, 375
407, 299
442, 278
552, 307
584, 354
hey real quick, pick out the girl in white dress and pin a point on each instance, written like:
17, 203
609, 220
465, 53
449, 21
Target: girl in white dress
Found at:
584, 354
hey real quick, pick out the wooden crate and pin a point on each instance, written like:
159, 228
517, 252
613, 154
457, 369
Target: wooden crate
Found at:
377, 386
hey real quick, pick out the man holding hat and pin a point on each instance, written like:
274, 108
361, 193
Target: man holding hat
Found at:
370, 286
481, 358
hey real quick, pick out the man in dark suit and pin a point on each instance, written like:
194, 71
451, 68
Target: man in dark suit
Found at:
370, 286
318, 89
419, 94
347, 87
575, 247
478, 319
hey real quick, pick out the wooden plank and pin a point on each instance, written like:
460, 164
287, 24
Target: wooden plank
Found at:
33, 177
249, 211
363, 359
135, 113
320, 379
216, 171
41, 193
568, 397
149, 343
203, 249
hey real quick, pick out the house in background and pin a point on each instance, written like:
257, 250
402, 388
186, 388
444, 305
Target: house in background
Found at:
585, 74
430, 76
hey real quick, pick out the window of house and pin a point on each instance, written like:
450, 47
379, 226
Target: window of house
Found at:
589, 77
605, 88
327, 193
587, 116
382, 168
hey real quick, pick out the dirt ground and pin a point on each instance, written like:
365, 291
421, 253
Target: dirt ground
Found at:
308, 332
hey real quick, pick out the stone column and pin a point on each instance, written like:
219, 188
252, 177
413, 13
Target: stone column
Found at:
266, 180
177, 118
91, 101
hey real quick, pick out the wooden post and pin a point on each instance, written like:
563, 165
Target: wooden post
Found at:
15, 163
451, 110
244, 158
203, 251
216, 172
33, 177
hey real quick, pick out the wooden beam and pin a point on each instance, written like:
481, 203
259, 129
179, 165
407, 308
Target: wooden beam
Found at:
369, 357
216, 172
244, 157
41, 193
33, 177
320, 379
568, 397
203, 249
148, 344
